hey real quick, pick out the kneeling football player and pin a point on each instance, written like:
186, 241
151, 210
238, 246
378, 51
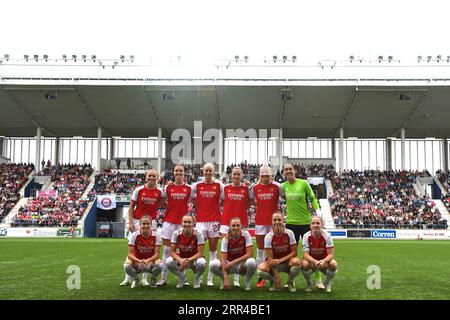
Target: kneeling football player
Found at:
318, 254
186, 251
281, 255
143, 253
236, 256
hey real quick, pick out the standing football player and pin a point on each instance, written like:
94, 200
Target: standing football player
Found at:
178, 195
208, 195
266, 194
298, 216
145, 200
236, 200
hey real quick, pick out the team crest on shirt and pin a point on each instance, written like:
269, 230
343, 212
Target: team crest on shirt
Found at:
242, 191
155, 195
201, 188
214, 187
184, 190
272, 189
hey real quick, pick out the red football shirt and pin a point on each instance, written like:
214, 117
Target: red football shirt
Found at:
266, 196
235, 204
280, 245
177, 202
208, 198
187, 246
236, 248
146, 201
144, 248
317, 247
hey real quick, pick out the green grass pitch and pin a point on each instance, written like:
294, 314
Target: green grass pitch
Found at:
36, 269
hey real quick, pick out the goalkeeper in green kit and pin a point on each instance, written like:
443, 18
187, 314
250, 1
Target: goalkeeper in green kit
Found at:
298, 218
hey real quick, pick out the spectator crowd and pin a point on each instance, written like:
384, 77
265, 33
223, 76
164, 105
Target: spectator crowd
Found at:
382, 199
12, 179
66, 206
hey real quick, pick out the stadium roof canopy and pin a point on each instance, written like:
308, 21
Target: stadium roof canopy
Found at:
367, 98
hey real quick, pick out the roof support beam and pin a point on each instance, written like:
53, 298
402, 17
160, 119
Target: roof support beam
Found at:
218, 108
26, 111
87, 106
348, 109
153, 107
412, 112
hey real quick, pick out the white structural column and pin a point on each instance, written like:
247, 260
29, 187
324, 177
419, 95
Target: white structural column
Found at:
445, 155
220, 152
56, 154
37, 164
341, 149
280, 149
388, 153
402, 137
99, 149
159, 149
2, 147
111, 148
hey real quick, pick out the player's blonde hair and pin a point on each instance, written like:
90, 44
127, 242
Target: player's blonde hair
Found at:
179, 165
238, 168
148, 171
235, 218
265, 170
146, 217
210, 165
318, 218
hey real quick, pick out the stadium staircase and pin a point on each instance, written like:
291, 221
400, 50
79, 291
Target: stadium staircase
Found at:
418, 188
22, 190
326, 212
9, 218
439, 185
90, 185
329, 187
47, 184
443, 210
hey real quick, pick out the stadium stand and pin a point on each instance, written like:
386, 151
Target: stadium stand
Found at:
63, 209
115, 182
12, 179
382, 199
444, 179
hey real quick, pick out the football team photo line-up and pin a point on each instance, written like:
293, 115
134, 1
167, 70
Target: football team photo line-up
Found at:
221, 213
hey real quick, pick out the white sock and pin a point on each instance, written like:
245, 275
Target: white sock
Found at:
200, 267
215, 268
236, 277
259, 256
157, 270
127, 278
295, 270
250, 265
144, 276
130, 271
330, 275
166, 254
212, 256
307, 275
174, 268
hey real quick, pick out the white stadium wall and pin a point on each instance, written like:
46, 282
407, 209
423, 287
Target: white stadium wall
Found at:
313, 161
40, 232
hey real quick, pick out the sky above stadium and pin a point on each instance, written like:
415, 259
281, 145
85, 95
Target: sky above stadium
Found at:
221, 29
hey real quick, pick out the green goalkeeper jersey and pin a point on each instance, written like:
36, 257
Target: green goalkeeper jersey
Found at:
296, 205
